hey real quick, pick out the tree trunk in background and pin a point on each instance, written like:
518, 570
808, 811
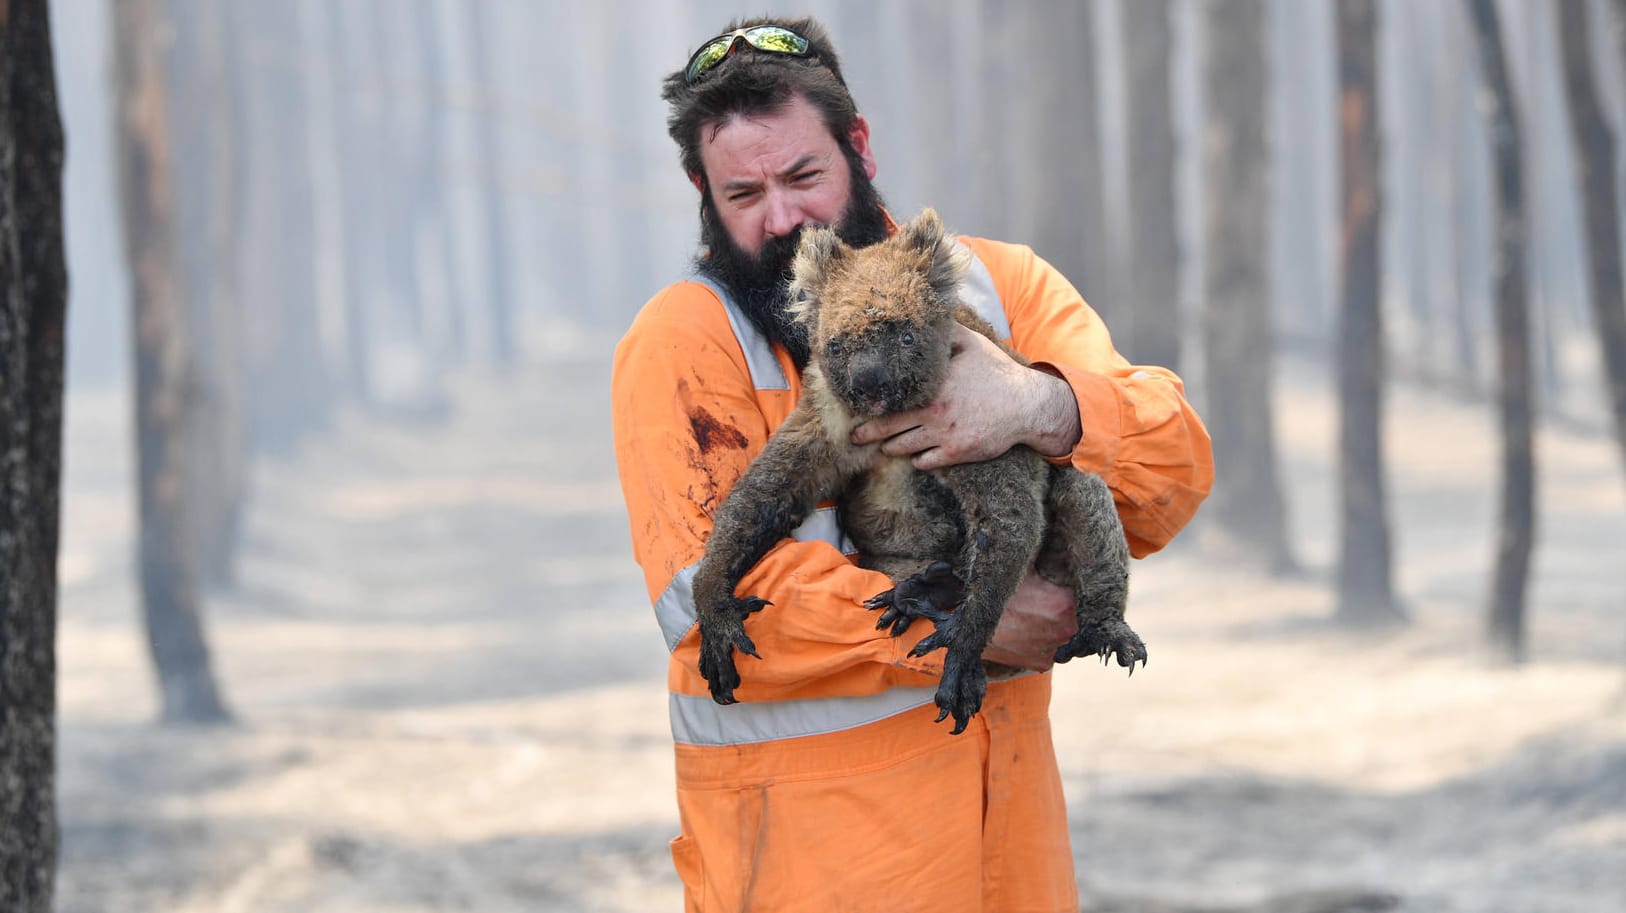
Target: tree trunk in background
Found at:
33, 304
206, 144
1055, 182
1152, 298
1238, 339
1517, 530
287, 371
1594, 146
487, 154
437, 238
1365, 590
165, 389
351, 140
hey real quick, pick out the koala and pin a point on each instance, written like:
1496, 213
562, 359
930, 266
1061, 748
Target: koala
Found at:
954, 541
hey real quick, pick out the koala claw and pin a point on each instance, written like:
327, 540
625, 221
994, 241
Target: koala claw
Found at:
930, 594
721, 633
961, 690
1104, 638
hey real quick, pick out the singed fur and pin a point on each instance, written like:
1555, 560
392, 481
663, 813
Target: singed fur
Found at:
955, 541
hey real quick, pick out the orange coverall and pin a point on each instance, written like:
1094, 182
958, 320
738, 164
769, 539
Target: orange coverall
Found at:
829, 787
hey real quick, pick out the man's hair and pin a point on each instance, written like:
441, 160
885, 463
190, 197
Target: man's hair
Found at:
750, 82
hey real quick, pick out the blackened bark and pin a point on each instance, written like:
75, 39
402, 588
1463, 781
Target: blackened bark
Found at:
1516, 533
33, 301
1247, 502
1154, 250
166, 382
1365, 589
1594, 145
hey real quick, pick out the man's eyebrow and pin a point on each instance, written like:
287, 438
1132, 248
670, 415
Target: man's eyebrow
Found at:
796, 166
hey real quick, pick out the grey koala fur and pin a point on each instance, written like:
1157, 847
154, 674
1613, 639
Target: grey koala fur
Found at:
955, 541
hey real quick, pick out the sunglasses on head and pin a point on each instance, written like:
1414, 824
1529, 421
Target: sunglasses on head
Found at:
770, 39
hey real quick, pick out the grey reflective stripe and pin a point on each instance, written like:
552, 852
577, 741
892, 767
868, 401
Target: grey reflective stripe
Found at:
977, 292
766, 374
825, 526
675, 609
701, 721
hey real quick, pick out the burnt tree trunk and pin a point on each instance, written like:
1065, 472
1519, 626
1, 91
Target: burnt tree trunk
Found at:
1594, 145
166, 377
1247, 501
1516, 533
1153, 293
1365, 589
33, 305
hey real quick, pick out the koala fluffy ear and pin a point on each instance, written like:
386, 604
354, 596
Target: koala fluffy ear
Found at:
946, 259
819, 251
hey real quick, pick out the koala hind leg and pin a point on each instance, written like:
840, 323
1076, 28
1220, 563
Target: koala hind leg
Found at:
1085, 549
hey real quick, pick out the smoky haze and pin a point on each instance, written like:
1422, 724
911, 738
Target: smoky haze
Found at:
400, 239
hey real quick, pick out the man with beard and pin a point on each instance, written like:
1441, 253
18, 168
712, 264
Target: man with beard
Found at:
829, 786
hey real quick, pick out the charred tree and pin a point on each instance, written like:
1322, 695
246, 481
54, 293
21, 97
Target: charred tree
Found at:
1594, 144
1247, 501
1153, 293
1516, 532
166, 374
1365, 589
33, 310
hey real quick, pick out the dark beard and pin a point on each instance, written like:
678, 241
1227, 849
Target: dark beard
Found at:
759, 284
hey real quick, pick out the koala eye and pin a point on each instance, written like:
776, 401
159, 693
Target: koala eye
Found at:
906, 340
833, 348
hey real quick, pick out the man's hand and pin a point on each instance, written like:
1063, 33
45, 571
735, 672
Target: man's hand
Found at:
988, 404
1038, 619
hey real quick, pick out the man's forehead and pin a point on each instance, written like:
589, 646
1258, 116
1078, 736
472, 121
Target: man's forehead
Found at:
772, 139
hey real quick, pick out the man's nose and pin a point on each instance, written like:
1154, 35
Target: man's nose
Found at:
784, 216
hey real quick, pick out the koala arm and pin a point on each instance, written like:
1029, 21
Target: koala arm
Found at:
1138, 431
686, 424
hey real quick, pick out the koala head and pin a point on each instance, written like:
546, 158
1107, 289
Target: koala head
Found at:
880, 318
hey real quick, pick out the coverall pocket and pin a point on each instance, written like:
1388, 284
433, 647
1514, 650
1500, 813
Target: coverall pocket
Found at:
686, 859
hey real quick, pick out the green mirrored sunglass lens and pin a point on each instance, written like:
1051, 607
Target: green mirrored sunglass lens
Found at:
707, 57
776, 39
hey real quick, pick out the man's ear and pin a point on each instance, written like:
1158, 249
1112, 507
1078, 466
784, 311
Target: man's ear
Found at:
858, 137
819, 251
698, 180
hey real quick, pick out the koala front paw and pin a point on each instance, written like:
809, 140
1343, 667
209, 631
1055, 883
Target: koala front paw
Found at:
722, 632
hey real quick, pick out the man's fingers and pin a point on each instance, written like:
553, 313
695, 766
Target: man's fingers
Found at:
882, 427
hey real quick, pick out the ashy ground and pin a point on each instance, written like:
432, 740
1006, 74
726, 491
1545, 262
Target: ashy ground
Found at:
449, 687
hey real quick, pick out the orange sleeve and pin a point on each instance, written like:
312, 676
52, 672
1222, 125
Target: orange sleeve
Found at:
687, 420
1139, 432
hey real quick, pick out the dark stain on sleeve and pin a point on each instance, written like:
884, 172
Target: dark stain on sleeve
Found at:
710, 433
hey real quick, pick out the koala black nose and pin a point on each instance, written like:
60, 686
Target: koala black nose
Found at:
869, 380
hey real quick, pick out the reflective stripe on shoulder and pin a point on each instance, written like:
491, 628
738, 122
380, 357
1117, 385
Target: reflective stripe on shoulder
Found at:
978, 293
701, 721
675, 608
766, 373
